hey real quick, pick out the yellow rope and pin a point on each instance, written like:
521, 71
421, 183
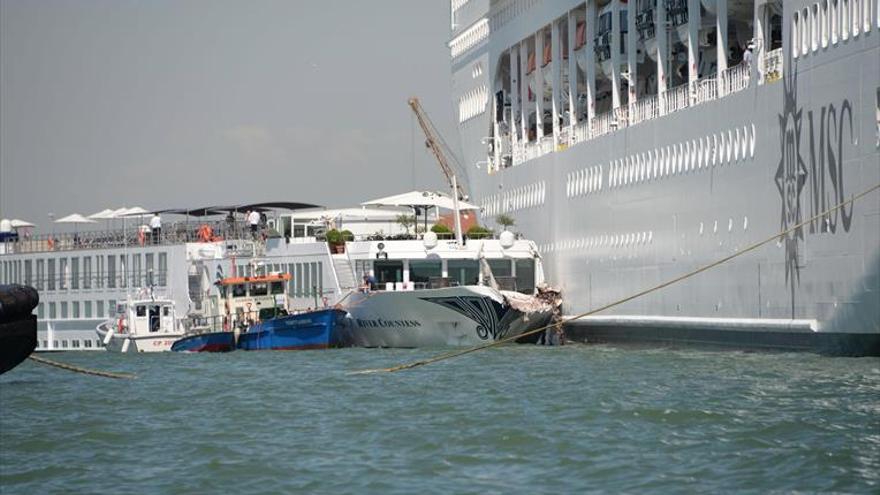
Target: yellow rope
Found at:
85, 371
663, 285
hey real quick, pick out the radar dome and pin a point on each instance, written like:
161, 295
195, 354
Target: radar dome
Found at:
430, 240
506, 239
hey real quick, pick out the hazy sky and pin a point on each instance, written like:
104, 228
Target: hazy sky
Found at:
189, 103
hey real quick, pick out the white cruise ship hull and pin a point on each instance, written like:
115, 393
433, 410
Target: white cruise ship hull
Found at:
618, 210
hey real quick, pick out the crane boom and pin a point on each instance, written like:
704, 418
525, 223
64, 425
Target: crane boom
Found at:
432, 140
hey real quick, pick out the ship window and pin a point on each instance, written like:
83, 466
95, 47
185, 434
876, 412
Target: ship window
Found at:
63, 310
834, 19
87, 343
166, 311
795, 19
141, 311
277, 288
259, 289
844, 19
74, 343
814, 28
63, 273
856, 13
465, 272
75, 308
239, 290
421, 271
389, 271
87, 309
805, 32
825, 21
525, 276
64, 344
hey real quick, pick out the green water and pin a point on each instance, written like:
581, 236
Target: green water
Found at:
516, 419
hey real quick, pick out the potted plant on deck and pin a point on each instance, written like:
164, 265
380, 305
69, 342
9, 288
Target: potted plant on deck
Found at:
336, 241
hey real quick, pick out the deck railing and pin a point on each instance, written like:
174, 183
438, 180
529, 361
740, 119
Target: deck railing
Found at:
677, 98
650, 107
133, 236
646, 108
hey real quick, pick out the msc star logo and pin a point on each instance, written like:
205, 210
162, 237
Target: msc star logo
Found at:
790, 178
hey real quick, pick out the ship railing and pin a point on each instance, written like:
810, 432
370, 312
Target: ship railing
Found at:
546, 145
134, 236
772, 65
735, 78
602, 124
705, 89
646, 108
581, 132
677, 98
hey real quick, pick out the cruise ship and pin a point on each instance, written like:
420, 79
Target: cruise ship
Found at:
639, 141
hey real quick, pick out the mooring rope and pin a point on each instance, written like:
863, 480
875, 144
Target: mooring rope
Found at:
85, 371
462, 352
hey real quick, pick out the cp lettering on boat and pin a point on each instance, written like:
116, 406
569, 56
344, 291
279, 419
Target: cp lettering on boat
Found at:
380, 323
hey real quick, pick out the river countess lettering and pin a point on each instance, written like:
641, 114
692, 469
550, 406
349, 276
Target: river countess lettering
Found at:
380, 323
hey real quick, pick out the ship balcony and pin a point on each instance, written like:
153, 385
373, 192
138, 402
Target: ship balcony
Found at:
647, 108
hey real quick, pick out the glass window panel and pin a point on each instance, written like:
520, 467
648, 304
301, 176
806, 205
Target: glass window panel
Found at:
163, 268
525, 276
111, 272
421, 271
465, 272
74, 273
63, 273
87, 272
388, 271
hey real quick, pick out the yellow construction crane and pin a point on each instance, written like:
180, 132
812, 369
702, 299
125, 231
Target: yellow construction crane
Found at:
434, 141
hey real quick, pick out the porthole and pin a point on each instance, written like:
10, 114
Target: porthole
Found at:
656, 162
736, 146
729, 150
805, 31
687, 156
752, 142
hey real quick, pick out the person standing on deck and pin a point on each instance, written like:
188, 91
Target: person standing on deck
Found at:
156, 227
253, 218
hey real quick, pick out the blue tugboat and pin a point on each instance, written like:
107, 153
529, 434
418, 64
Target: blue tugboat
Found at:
310, 330
255, 315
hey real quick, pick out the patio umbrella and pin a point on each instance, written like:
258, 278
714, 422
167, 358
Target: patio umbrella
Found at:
422, 200
20, 224
75, 218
